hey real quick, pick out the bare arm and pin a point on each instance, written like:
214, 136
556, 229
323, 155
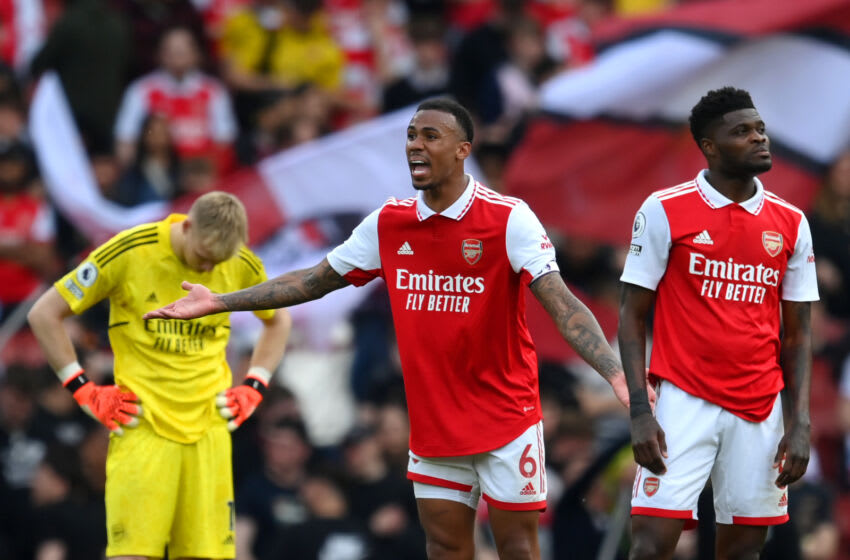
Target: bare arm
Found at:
580, 329
796, 361
288, 289
272, 342
246, 534
635, 304
648, 440
46, 321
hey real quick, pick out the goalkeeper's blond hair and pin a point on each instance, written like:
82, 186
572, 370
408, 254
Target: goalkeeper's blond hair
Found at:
221, 224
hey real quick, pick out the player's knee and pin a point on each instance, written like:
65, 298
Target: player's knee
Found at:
517, 548
647, 548
449, 547
744, 550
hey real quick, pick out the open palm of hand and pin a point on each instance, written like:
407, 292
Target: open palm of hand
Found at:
198, 302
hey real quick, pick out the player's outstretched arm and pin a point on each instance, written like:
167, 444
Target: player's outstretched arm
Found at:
648, 442
792, 454
285, 290
580, 329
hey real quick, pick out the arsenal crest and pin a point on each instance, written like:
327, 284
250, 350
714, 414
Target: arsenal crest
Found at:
650, 486
472, 250
772, 242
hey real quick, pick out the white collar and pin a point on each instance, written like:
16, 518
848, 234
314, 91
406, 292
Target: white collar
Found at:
187, 82
715, 199
458, 208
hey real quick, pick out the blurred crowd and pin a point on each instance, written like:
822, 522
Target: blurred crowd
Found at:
172, 96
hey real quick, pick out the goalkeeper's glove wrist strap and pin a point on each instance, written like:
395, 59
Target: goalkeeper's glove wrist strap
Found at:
75, 382
255, 384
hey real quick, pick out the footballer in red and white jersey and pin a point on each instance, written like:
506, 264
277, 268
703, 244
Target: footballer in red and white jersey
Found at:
470, 373
197, 106
719, 270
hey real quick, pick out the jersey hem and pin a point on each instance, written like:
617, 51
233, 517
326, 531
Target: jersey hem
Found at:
475, 450
801, 298
742, 415
647, 283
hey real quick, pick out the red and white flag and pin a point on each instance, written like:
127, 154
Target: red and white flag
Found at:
616, 130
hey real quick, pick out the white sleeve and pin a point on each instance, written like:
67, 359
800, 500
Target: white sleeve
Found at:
222, 120
646, 262
527, 244
360, 250
132, 112
800, 281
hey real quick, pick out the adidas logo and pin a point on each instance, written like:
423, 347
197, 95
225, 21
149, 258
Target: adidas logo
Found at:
152, 298
405, 249
783, 501
703, 238
228, 540
528, 490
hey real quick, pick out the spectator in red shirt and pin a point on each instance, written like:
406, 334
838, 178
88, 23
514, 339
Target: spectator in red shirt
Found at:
26, 229
197, 105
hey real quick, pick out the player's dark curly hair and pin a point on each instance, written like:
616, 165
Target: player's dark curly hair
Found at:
447, 105
714, 105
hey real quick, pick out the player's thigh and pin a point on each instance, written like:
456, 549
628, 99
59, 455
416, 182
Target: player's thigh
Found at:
142, 481
513, 477
447, 494
739, 542
743, 478
654, 538
515, 533
205, 514
449, 528
692, 434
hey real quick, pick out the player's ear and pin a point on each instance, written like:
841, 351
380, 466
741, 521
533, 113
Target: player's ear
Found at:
707, 146
463, 150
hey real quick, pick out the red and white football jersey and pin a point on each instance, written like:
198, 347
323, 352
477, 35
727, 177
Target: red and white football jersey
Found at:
198, 109
719, 270
456, 285
23, 218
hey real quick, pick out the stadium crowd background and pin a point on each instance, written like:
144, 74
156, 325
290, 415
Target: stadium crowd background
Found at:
267, 75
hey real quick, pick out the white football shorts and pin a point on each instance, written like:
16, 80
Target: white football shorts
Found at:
705, 440
512, 477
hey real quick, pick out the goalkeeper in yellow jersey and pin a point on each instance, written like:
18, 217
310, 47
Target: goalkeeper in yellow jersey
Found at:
168, 479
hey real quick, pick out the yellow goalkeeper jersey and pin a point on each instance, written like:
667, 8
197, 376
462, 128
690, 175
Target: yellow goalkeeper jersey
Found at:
175, 367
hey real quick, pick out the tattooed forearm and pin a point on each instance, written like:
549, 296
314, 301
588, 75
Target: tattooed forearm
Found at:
286, 290
576, 324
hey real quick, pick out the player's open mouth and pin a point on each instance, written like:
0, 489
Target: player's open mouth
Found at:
418, 167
